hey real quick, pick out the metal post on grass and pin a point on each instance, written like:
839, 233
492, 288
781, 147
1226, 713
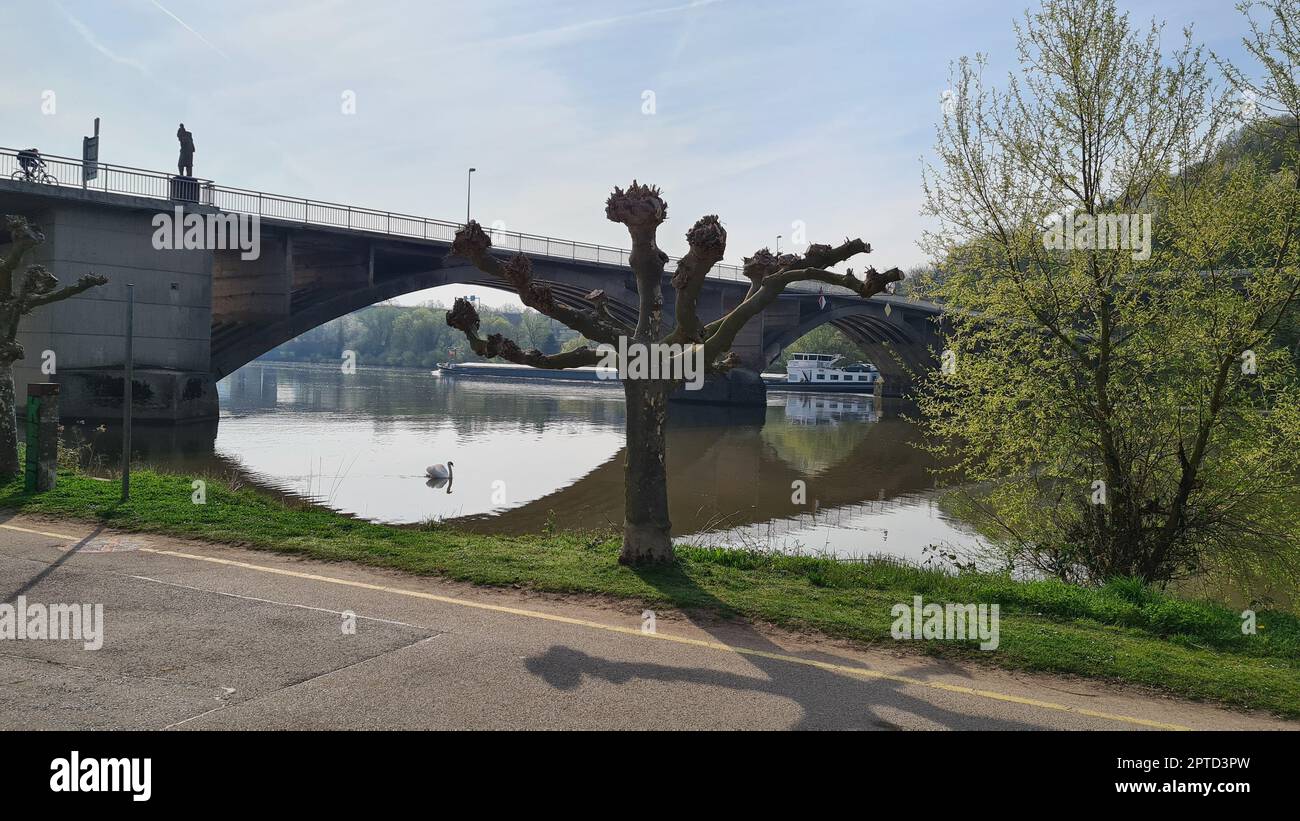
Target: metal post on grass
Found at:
127, 377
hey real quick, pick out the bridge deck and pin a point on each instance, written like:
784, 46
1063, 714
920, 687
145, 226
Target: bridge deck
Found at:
67, 174
138, 182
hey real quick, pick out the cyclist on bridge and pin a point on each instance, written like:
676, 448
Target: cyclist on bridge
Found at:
30, 160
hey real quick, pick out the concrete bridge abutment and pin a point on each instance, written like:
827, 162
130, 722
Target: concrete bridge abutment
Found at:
80, 342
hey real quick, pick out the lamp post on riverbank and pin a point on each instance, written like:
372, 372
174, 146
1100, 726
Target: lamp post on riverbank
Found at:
128, 367
469, 181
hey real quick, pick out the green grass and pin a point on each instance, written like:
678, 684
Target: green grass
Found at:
1122, 632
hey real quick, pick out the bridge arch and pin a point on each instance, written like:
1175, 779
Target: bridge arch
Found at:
897, 348
235, 343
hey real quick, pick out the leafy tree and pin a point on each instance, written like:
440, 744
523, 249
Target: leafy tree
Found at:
647, 531
921, 280
537, 331
20, 294
1127, 416
822, 339
412, 337
1271, 104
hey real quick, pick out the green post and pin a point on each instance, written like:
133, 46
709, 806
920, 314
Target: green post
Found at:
42, 436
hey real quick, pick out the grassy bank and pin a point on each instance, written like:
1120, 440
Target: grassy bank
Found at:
1123, 632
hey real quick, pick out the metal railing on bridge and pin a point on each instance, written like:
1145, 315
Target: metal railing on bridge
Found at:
139, 182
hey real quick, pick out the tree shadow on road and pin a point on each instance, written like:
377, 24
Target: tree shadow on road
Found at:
829, 699
24, 587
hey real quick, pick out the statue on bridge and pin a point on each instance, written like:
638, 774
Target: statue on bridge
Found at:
185, 165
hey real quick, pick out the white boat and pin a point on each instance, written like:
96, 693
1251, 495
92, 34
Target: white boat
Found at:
822, 372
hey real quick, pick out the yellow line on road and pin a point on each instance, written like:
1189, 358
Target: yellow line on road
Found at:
862, 672
63, 536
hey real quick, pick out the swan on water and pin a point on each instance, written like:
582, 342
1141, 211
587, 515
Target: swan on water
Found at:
439, 471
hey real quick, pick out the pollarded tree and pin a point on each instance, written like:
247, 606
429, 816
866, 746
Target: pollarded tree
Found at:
647, 531
20, 294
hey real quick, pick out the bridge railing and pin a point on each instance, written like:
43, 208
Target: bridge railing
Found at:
116, 179
139, 182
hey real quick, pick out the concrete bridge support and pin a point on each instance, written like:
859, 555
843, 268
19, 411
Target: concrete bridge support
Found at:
80, 342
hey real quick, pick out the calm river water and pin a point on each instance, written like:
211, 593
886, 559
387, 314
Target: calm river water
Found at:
529, 454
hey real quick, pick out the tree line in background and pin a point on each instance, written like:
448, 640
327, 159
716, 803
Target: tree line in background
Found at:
415, 336
822, 339
418, 337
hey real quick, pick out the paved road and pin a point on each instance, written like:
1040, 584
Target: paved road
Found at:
207, 637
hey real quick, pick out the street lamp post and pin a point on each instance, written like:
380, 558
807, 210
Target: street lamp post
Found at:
469, 180
128, 364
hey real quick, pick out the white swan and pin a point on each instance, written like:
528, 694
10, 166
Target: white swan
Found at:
439, 471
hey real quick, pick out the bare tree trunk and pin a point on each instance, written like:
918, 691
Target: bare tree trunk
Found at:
647, 532
8, 423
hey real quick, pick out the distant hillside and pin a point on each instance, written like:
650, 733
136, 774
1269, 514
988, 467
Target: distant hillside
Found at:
415, 337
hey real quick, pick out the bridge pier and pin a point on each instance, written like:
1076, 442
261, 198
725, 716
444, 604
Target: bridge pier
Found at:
80, 342
739, 386
157, 394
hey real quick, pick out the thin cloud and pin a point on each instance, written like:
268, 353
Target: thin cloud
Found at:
560, 32
189, 28
93, 42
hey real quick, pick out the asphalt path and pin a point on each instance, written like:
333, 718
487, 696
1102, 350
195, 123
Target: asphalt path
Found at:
203, 636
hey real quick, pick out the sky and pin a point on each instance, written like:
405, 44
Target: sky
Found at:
773, 115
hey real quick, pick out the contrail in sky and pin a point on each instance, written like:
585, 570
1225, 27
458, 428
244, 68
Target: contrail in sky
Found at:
189, 28
574, 28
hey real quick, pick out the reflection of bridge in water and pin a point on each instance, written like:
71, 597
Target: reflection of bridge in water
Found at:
849, 457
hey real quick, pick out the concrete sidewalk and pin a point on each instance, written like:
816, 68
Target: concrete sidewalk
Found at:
199, 636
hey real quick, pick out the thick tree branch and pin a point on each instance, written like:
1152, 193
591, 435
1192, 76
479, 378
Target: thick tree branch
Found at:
24, 237
641, 209
465, 319
10, 352
708, 242
772, 274
598, 298
764, 263
86, 282
36, 287
473, 243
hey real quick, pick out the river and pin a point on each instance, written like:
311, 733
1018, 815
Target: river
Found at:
531, 455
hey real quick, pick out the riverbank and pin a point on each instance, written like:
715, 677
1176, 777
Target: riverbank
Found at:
1122, 633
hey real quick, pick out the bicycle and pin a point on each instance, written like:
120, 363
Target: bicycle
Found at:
36, 174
